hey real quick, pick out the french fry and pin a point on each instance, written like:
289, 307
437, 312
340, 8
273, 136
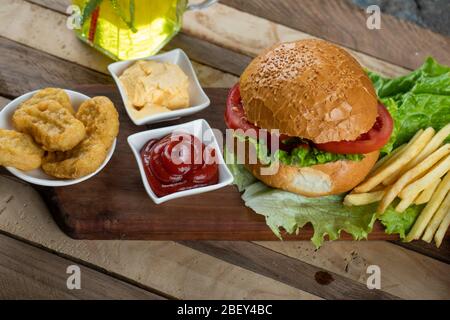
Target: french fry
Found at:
425, 195
427, 213
432, 146
409, 194
409, 176
360, 199
437, 219
395, 154
414, 147
386, 160
440, 233
406, 202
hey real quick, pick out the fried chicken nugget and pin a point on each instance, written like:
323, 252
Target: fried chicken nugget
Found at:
18, 150
81, 161
55, 94
50, 124
102, 126
100, 118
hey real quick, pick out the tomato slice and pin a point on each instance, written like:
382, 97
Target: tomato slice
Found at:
235, 115
368, 142
373, 140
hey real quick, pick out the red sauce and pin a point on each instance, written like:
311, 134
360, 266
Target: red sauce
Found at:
179, 162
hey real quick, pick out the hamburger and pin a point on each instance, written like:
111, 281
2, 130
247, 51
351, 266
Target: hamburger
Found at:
330, 123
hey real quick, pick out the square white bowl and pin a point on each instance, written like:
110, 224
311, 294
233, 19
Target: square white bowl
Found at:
200, 129
198, 98
38, 176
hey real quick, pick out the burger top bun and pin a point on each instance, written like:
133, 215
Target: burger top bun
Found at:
319, 180
310, 89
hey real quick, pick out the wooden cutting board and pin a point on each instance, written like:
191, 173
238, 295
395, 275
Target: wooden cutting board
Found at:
115, 205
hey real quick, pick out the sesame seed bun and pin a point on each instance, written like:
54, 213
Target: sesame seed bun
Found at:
310, 89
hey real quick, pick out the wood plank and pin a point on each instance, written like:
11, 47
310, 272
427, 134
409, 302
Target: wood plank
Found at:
250, 34
134, 216
36, 217
198, 50
258, 39
338, 257
245, 33
18, 23
62, 73
25, 69
399, 42
56, 5
166, 266
442, 253
27, 272
288, 270
404, 273
210, 54
134, 259
393, 279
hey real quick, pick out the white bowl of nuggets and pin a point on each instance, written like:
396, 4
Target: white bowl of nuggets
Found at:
55, 137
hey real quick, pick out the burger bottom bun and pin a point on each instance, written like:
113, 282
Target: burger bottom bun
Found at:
319, 180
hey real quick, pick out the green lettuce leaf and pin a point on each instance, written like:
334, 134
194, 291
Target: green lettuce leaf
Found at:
289, 211
400, 223
301, 157
416, 101
242, 177
306, 157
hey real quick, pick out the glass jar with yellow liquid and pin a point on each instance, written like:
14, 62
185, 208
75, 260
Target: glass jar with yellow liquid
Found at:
131, 29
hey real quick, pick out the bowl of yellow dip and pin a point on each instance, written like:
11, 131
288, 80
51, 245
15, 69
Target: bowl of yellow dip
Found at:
159, 88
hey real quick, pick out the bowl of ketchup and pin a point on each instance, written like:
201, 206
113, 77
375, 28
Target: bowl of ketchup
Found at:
179, 161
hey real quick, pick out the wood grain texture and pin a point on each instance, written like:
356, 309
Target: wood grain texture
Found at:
56, 5
18, 23
404, 273
24, 69
244, 33
164, 266
91, 211
198, 50
210, 54
442, 253
288, 270
27, 272
187, 283
250, 34
397, 41
186, 273
349, 259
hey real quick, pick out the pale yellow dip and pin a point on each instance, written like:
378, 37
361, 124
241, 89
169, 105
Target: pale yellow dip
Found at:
153, 87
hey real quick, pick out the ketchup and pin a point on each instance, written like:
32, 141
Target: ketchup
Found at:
178, 162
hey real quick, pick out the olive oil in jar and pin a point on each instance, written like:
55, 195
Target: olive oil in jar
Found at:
129, 29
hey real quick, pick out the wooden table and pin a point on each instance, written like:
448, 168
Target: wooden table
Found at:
37, 50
